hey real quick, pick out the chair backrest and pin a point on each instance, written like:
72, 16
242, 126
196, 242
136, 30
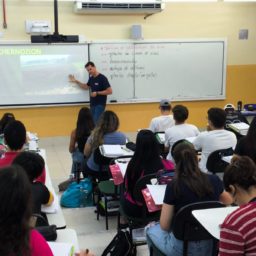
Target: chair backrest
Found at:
186, 227
215, 164
100, 159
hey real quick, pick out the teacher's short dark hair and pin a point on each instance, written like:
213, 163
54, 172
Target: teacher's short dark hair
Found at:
89, 63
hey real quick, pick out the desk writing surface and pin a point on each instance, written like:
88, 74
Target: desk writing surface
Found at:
55, 217
113, 151
211, 219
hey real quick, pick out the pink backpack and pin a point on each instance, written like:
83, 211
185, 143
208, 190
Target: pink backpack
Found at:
166, 174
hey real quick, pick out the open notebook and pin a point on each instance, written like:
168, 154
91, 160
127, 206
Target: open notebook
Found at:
112, 150
241, 127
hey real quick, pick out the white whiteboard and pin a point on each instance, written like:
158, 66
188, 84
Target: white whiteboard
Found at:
35, 74
149, 71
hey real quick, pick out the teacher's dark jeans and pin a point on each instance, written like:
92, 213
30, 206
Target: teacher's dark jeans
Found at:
96, 112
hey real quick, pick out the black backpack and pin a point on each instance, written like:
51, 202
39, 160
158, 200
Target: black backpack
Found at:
121, 245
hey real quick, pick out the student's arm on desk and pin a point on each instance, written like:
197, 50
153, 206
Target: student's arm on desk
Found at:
166, 216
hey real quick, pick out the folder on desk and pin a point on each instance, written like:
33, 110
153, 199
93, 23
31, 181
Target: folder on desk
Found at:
61, 249
112, 150
241, 127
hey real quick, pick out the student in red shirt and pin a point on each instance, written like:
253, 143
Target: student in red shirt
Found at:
15, 139
238, 231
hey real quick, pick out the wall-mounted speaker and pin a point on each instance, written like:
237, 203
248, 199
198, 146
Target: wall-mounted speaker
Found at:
136, 32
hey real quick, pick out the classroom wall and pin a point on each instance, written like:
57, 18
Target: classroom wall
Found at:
178, 20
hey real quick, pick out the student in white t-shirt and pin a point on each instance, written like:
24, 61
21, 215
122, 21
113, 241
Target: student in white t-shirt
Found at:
180, 130
165, 121
215, 138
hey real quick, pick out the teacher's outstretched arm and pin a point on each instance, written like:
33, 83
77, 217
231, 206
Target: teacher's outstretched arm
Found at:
72, 79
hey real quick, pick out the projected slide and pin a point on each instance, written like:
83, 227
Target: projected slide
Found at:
39, 74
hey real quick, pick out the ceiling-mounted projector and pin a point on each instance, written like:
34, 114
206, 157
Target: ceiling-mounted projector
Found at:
55, 37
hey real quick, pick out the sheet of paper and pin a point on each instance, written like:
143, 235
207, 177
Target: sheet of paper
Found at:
227, 159
157, 192
112, 150
61, 249
53, 208
161, 137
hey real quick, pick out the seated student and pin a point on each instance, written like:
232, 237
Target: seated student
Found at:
246, 146
104, 133
79, 136
189, 185
6, 118
146, 160
238, 232
16, 236
15, 139
165, 121
33, 164
215, 138
180, 130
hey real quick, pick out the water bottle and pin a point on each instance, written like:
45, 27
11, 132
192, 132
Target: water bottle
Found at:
239, 106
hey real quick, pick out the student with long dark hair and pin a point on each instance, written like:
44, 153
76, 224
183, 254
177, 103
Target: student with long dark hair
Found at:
16, 236
237, 235
105, 132
79, 136
189, 185
246, 146
146, 160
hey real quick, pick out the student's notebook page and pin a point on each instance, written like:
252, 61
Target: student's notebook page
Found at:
161, 137
157, 192
61, 249
112, 150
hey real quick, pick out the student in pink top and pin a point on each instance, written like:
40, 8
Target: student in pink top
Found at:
16, 236
15, 138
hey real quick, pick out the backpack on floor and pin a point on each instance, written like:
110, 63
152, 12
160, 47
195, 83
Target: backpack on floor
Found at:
121, 245
78, 194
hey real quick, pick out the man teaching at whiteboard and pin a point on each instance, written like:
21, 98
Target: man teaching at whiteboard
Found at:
99, 88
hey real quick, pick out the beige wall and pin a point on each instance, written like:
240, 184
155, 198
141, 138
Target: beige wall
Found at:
178, 20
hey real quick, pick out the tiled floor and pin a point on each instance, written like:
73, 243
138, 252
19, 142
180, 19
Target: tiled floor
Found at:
91, 233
